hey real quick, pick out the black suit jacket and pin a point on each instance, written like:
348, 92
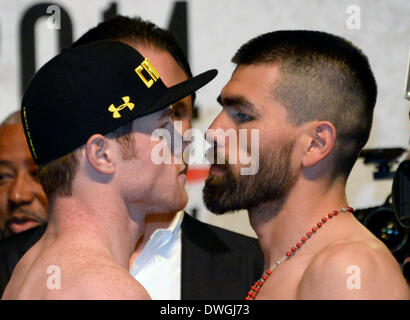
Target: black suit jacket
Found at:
216, 263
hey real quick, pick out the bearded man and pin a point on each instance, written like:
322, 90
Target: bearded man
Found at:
311, 95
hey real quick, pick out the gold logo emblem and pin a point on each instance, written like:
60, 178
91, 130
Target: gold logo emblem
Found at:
151, 71
116, 110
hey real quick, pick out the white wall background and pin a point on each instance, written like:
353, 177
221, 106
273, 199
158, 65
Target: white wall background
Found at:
216, 30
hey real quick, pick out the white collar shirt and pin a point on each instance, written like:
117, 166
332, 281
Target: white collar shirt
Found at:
158, 267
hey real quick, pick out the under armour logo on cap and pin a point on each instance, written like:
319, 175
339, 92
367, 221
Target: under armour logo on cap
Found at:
116, 110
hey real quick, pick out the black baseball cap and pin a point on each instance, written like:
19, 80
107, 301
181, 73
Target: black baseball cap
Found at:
91, 89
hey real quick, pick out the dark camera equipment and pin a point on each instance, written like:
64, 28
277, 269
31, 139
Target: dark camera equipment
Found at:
390, 222
383, 223
401, 194
383, 158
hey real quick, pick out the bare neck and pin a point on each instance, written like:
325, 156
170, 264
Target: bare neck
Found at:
101, 221
305, 205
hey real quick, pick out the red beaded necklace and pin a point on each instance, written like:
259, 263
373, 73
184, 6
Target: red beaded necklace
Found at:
253, 292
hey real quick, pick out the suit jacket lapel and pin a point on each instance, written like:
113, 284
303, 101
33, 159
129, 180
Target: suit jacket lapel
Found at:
209, 268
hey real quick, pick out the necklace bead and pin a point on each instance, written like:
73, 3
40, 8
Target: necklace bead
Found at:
253, 292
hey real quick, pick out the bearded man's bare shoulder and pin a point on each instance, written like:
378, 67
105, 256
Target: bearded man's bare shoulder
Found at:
353, 270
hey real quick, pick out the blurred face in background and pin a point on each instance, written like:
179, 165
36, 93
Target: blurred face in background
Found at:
23, 203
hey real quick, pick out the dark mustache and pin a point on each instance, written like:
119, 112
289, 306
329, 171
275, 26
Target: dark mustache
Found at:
27, 213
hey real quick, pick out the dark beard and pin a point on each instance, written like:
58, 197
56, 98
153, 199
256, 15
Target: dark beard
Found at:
230, 192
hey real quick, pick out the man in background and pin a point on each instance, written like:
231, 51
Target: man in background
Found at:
23, 203
177, 257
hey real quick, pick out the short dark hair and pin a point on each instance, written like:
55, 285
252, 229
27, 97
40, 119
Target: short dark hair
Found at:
140, 31
322, 77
